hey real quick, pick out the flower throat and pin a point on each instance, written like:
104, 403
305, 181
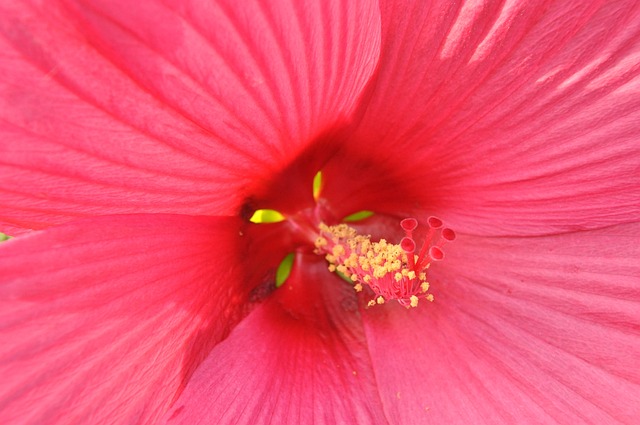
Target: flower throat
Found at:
389, 271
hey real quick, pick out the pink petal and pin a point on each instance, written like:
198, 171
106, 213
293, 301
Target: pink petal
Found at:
512, 117
299, 358
120, 107
104, 320
535, 330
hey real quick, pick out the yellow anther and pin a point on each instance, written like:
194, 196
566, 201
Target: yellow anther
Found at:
357, 287
398, 277
338, 250
320, 242
352, 261
414, 301
429, 297
424, 286
332, 268
365, 245
380, 300
395, 265
354, 277
379, 272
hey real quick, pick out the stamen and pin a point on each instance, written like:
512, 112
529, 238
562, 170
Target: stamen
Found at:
392, 272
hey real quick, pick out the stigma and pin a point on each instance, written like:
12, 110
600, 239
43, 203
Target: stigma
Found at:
392, 271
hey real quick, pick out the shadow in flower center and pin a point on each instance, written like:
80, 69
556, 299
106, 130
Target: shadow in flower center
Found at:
352, 181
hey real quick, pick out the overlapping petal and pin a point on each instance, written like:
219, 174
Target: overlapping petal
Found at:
104, 110
104, 320
300, 357
528, 330
513, 117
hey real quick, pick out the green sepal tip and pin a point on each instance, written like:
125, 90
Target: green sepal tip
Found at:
360, 215
317, 185
267, 216
284, 269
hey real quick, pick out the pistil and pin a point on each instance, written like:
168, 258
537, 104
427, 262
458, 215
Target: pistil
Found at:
391, 271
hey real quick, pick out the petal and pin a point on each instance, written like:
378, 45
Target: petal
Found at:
104, 320
513, 117
113, 107
534, 330
300, 357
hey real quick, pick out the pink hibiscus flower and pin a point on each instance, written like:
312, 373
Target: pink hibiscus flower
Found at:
138, 138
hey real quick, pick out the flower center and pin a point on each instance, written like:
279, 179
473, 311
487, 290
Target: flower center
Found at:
392, 271
388, 271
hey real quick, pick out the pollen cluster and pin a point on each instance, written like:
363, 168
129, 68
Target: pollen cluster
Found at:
392, 271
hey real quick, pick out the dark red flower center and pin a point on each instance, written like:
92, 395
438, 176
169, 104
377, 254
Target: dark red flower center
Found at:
385, 270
